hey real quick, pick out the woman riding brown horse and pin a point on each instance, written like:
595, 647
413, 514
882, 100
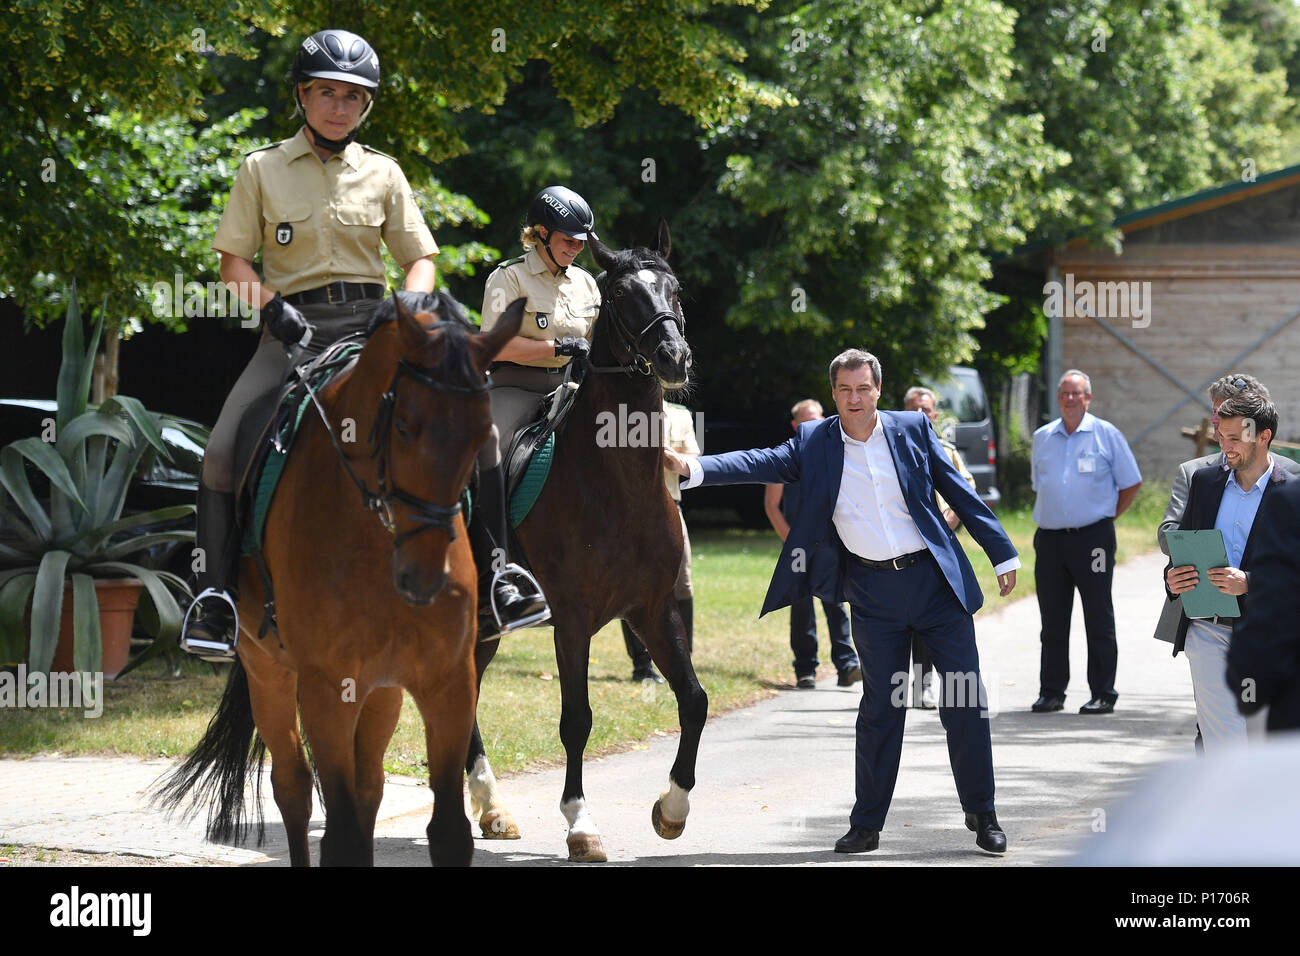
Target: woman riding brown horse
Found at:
347, 646
604, 539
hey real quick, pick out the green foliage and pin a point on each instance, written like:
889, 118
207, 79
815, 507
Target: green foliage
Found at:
81, 534
114, 173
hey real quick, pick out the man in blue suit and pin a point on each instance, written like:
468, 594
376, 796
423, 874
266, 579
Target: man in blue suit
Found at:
869, 479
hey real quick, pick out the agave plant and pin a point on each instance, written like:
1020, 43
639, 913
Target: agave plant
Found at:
88, 459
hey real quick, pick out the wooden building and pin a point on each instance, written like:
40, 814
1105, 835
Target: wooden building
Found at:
1205, 285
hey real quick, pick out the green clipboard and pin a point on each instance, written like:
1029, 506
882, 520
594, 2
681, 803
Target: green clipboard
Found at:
1205, 550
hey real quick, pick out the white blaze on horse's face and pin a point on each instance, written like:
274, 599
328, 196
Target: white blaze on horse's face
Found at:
671, 357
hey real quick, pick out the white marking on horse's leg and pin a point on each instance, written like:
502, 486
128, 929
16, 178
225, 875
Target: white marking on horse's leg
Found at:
584, 841
579, 817
675, 802
494, 820
482, 788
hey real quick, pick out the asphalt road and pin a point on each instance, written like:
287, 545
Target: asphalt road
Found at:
775, 781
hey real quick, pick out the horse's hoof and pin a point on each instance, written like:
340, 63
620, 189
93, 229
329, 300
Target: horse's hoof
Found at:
498, 825
668, 829
586, 848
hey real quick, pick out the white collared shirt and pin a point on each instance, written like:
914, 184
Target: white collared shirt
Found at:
871, 515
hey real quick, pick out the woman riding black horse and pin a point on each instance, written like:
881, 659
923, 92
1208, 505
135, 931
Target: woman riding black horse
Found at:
561, 307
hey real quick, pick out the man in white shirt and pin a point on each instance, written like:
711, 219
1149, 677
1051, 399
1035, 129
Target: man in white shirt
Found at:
869, 481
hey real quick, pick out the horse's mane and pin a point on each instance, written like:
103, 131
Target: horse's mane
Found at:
454, 364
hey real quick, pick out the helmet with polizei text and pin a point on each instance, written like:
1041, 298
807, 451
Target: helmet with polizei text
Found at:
337, 55
561, 209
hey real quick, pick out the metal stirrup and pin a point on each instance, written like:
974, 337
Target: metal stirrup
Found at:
515, 571
210, 645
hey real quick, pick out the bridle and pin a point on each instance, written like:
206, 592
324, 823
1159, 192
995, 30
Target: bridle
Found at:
426, 514
636, 362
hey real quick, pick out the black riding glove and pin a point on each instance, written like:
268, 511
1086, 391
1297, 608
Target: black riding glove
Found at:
572, 345
285, 322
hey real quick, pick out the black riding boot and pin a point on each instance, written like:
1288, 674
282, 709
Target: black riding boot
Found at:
519, 602
211, 625
642, 667
686, 608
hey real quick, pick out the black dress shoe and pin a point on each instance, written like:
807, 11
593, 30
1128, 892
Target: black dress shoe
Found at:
1048, 703
858, 840
988, 835
849, 677
1098, 705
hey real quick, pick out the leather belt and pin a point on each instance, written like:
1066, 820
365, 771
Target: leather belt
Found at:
337, 292
1087, 527
893, 564
1217, 619
496, 366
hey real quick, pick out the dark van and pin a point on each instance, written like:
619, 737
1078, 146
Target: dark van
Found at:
966, 422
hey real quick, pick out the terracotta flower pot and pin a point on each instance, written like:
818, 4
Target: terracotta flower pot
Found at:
118, 598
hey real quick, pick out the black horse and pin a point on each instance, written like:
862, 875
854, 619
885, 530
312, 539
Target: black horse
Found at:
604, 538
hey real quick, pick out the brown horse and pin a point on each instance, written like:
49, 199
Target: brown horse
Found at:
604, 539
348, 645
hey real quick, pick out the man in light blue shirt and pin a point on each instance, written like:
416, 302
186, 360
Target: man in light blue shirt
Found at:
1226, 497
1085, 476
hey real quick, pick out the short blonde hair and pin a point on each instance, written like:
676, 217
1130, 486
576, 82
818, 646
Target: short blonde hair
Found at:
529, 238
809, 403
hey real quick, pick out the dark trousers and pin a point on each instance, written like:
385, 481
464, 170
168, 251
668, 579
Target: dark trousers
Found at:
887, 606
803, 637
1063, 561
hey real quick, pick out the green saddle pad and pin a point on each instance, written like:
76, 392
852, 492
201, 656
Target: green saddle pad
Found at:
533, 481
269, 479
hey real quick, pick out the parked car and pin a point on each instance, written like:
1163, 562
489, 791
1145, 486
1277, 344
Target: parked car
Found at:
969, 426
158, 483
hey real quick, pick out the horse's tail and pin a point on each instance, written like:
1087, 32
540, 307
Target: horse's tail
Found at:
215, 773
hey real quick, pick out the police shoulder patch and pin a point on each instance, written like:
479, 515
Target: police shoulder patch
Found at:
262, 149
371, 149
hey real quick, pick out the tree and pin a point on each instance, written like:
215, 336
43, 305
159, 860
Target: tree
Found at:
103, 173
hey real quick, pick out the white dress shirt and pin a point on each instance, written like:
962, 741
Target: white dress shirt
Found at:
870, 514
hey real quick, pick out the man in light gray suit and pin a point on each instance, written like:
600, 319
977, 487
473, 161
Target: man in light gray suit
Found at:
1227, 387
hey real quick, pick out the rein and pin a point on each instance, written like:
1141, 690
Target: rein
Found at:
426, 514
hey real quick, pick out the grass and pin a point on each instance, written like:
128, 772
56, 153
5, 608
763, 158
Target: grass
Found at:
740, 659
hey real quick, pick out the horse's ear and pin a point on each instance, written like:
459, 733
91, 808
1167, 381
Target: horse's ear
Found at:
485, 346
664, 242
601, 253
408, 326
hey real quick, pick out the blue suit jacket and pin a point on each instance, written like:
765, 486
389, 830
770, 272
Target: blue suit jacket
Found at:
1205, 494
1265, 645
815, 457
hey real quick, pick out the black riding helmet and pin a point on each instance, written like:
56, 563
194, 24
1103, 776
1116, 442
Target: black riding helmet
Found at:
560, 208
336, 55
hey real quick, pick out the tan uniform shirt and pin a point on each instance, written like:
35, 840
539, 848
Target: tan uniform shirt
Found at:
955, 457
318, 223
558, 305
679, 435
